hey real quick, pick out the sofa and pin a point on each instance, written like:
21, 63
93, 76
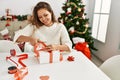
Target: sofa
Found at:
13, 26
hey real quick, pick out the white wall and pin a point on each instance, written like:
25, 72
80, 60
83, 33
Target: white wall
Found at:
23, 7
111, 47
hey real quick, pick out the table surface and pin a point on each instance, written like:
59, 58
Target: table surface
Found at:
79, 69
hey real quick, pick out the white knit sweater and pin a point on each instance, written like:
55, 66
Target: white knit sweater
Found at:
55, 34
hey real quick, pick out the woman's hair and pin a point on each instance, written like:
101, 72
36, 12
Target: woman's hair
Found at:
41, 5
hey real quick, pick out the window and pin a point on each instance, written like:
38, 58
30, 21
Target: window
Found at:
100, 19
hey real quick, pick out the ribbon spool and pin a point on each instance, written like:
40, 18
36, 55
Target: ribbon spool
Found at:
12, 69
12, 52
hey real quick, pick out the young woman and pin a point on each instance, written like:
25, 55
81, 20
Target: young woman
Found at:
45, 28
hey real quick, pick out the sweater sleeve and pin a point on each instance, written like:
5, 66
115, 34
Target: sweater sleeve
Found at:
27, 31
65, 39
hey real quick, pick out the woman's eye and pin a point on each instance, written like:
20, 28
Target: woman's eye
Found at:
39, 17
46, 15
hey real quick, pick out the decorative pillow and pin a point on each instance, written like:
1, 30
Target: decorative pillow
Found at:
5, 34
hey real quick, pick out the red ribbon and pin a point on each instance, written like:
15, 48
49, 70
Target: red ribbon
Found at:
9, 58
40, 44
21, 57
21, 73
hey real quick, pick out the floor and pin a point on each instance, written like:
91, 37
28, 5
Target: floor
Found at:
96, 60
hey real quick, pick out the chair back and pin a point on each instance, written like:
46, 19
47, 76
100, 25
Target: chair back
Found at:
6, 46
111, 67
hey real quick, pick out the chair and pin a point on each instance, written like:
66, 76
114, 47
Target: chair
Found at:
111, 67
6, 46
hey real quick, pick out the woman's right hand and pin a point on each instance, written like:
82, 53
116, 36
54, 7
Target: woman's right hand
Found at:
33, 41
30, 39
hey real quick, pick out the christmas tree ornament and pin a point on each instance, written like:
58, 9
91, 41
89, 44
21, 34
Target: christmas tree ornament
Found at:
71, 30
79, 9
70, 58
69, 10
83, 16
77, 22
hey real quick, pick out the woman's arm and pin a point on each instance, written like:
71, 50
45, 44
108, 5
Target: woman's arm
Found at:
24, 35
57, 47
22, 38
65, 39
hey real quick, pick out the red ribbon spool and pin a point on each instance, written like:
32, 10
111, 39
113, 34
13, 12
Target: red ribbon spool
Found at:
12, 69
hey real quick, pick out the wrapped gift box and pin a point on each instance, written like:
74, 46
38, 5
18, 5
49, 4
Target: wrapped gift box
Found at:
46, 56
49, 57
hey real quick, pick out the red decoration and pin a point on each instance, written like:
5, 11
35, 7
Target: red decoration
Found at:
7, 24
70, 58
21, 73
68, 13
7, 37
20, 58
44, 77
12, 52
83, 48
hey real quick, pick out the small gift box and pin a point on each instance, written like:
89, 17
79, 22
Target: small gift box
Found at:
46, 57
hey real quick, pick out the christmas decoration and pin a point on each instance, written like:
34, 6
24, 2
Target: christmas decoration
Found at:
81, 45
70, 58
21, 73
83, 48
75, 21
44, 77
10, 17
20, 57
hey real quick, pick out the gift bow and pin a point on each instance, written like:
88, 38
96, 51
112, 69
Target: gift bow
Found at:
39, 47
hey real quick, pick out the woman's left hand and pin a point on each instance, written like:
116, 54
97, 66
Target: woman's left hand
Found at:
50, 48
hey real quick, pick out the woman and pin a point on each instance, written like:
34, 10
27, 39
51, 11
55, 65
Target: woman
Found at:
45, 28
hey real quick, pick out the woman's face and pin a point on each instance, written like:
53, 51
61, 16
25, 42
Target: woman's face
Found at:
45, 17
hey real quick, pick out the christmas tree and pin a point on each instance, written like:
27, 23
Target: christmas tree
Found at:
75, 21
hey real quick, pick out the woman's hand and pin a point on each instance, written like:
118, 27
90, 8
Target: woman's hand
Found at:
56, 47
33, 41
51, 47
